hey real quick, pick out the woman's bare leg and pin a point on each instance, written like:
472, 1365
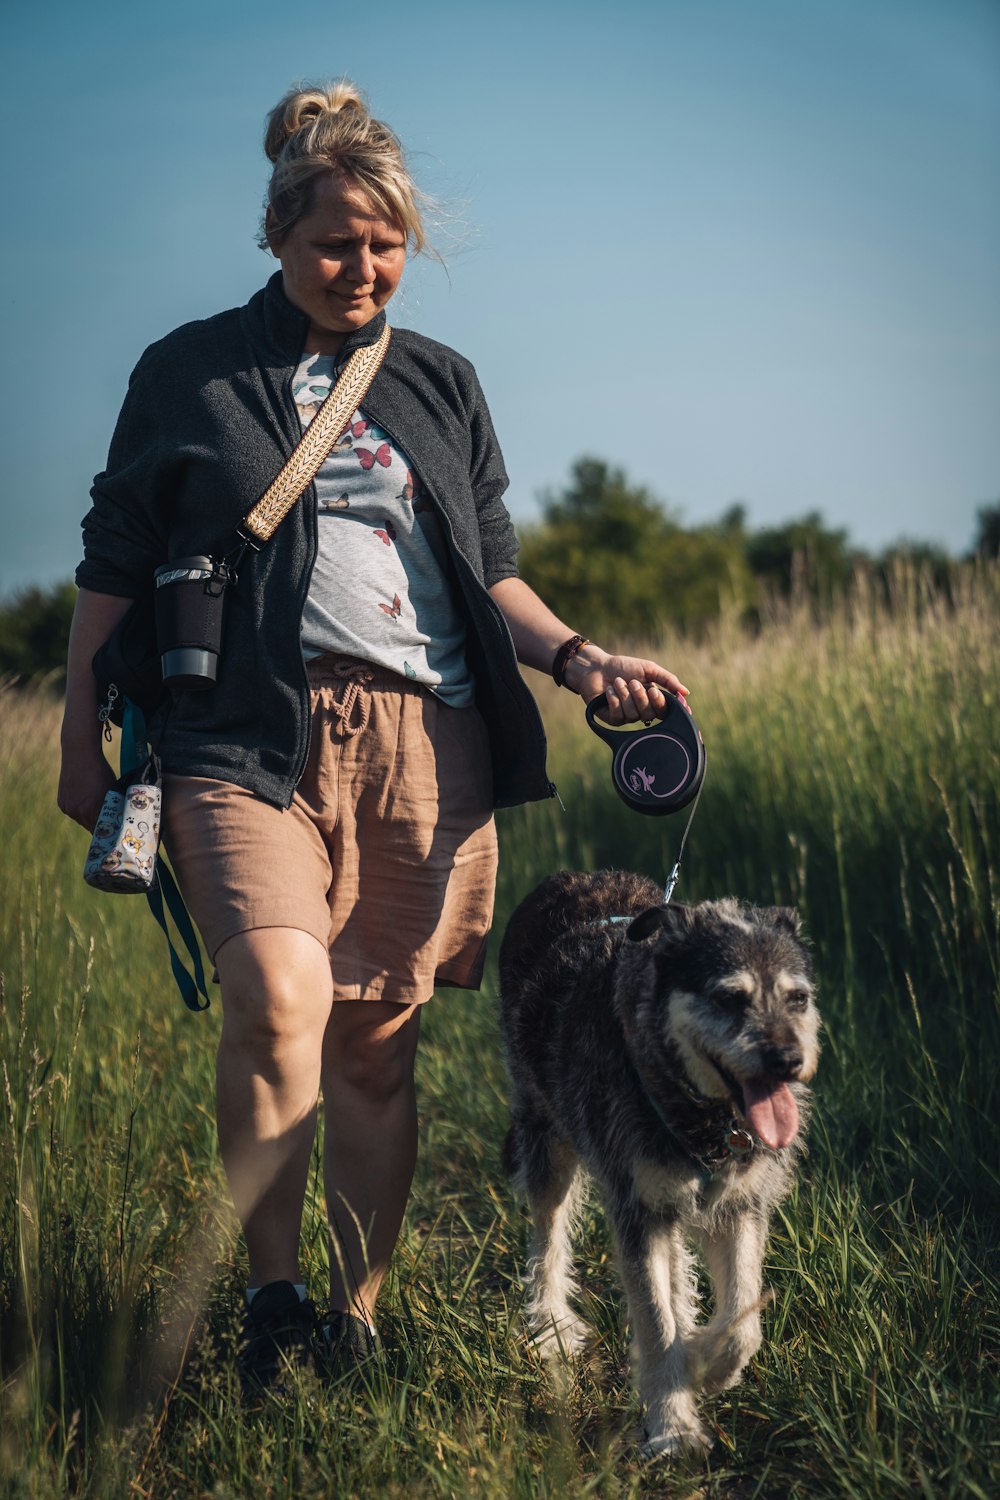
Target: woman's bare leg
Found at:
276, 999
370, 1111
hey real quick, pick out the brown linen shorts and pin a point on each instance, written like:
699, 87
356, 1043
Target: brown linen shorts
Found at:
387, 855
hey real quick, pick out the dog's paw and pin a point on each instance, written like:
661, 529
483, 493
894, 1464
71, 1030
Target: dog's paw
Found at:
562, 1339
673, 1426
689, 1442
716, 1354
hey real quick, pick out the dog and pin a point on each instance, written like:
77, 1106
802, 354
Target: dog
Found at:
663, 1051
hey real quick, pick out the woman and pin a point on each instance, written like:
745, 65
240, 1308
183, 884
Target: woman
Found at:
328, 804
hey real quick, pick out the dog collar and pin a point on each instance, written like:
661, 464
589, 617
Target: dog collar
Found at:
734, 1141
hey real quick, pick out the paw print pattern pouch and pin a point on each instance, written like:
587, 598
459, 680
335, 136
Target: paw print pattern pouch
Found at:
122, 854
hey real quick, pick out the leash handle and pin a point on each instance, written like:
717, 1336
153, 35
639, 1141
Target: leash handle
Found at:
656, 768
612, 735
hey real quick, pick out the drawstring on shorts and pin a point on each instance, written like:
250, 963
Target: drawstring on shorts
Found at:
356, 677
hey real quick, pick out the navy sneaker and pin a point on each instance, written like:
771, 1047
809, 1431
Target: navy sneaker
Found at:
279, 1329
345, 1342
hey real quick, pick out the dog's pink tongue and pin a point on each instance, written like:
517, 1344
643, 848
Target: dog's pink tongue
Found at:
771, 1113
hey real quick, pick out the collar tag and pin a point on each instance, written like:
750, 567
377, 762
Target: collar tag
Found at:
739, 1142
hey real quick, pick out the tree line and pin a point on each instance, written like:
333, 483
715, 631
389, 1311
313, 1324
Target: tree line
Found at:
612, 558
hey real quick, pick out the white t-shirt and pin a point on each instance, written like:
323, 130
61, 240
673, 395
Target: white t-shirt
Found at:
379, 589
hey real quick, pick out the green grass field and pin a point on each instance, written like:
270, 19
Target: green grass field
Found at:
853, 771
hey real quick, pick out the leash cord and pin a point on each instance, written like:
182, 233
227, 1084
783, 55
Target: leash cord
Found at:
675, 873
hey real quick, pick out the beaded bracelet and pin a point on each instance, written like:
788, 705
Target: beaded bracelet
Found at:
564, 656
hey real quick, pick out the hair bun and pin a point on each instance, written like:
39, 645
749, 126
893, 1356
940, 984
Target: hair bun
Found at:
301, 108
329, 128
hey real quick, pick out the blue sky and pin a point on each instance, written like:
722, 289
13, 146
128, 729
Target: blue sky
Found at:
747, 249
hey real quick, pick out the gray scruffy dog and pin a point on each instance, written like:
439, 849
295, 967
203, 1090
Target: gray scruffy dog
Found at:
665, 1055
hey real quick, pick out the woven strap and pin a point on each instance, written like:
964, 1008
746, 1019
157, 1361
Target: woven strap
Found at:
319, 437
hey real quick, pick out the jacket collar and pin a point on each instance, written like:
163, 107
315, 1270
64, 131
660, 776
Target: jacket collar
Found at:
286, 326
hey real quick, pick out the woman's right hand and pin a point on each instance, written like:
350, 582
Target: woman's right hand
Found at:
86, 777
84, 780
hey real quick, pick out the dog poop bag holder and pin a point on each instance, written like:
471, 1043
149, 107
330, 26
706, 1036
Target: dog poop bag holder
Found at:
122, 853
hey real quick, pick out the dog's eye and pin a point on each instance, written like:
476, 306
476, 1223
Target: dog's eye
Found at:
732, 998
797, 999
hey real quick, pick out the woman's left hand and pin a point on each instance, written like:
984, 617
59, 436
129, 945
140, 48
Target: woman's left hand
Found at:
635, 687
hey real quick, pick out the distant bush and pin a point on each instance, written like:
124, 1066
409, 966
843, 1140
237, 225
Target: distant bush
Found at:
34, 632
607, 554
987, 543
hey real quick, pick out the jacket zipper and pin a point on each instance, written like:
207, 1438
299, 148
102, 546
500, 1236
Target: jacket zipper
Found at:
312, 531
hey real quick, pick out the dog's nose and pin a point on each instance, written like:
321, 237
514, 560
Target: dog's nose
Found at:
783, 1062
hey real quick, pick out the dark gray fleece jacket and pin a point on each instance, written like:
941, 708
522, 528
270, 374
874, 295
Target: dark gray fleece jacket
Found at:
207, 423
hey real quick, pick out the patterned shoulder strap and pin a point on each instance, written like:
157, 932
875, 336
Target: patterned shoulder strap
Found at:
305, 460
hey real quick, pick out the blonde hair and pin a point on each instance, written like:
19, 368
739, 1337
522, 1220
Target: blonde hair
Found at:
312, 131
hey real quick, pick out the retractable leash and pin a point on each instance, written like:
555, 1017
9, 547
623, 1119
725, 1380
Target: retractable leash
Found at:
658, 769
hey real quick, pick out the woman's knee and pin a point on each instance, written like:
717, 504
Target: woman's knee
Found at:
276, 987
369, 1049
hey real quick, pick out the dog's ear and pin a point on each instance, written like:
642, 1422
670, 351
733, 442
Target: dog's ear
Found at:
677, 919
785, 917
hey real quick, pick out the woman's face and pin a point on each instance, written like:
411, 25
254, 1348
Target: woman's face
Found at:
340, 262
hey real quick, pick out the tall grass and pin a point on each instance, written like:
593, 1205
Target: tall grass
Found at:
853, 772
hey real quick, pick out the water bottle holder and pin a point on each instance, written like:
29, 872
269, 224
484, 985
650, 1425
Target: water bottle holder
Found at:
189, 602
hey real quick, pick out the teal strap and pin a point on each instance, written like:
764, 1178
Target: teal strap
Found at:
166, 887
134, 755
135, 741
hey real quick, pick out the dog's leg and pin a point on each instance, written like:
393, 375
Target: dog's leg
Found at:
718, 1352
648, 1253
547, 1171
683, 1286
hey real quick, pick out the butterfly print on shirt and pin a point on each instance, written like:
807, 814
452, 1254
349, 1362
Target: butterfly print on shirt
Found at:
341, 503
393, 613
382, 455
406, 493
388, 535
311, 394
412, 493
